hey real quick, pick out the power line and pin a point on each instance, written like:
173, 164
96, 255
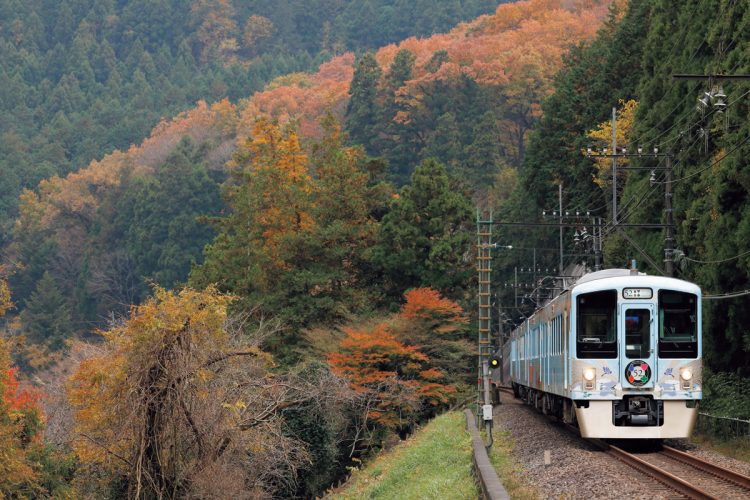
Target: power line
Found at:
729, 295
655, 186
735, 148
715, 261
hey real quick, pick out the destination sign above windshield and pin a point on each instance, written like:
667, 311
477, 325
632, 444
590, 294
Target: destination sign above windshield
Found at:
637, 293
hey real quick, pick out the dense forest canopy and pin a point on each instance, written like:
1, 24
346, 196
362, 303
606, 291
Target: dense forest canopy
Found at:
92, 230
237, 236
81, 78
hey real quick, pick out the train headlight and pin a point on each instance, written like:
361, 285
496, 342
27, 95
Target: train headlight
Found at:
686, 374
589, 374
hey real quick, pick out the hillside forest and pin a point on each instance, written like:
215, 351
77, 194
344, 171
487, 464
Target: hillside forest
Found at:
238, 237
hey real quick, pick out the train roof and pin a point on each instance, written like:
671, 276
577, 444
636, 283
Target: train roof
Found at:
623, 278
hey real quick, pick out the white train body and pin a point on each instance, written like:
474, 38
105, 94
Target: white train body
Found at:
619, 352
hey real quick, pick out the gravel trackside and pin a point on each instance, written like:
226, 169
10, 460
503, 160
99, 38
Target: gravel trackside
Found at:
577, 469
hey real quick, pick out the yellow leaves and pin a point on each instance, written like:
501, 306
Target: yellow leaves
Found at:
5, 302
275, 188
257, 29
235, 408
203, 375
170, 329
603, 134
301, 80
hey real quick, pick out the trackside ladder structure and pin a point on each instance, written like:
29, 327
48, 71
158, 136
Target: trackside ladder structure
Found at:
484, 269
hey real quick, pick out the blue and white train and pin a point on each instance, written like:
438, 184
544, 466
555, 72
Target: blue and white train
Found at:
619, 353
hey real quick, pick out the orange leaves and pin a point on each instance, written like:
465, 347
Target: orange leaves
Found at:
304, 99
493, 50
75, 199
275, 188
21, 423
14, 399
400, 377
426, 303
378, 366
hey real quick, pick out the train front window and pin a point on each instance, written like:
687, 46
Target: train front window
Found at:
678, 324
637, 333
595, 325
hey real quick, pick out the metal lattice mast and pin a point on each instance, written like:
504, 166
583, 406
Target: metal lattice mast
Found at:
484, 269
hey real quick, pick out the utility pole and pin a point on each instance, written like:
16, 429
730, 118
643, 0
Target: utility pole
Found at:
536, 285
484, 352
559, 197
669, 238
668, 225
614, 166
598, 244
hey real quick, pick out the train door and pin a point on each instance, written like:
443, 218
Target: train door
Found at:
637, 341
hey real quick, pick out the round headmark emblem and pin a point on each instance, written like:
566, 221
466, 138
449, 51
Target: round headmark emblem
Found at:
638, 372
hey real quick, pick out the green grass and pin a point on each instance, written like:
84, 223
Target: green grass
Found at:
434, 463
510, 472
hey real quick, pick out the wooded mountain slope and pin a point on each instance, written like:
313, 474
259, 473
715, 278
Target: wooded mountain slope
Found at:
102, 232
81, 78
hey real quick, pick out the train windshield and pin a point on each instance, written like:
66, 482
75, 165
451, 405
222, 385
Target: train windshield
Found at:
678, 324
596, 333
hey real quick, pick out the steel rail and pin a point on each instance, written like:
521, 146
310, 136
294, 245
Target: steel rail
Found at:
666, 478
659, 474
720, 472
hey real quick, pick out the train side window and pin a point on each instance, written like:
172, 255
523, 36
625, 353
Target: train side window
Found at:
595, 325
678, 324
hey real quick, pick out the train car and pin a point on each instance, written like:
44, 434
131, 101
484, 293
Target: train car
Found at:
619, 353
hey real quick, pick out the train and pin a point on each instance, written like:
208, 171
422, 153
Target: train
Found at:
618, 353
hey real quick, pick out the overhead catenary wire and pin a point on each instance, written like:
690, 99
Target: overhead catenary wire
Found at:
630, 211
728, 10
686, 117
735, 148
729, 295
654, 188
716, 261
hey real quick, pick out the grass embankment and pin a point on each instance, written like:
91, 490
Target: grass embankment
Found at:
510, 472
433, 463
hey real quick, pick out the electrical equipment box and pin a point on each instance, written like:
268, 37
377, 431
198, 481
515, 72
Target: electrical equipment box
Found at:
486, 412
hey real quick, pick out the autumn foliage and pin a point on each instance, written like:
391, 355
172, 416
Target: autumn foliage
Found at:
396, 378
21, 425
177, 402
427, 304
389, 366
602, 135
519, 48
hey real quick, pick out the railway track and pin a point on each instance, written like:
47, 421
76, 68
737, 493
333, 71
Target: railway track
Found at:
685, 474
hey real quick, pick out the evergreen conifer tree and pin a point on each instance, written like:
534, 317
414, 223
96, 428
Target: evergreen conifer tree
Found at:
425, 235
46, 317
362, 110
